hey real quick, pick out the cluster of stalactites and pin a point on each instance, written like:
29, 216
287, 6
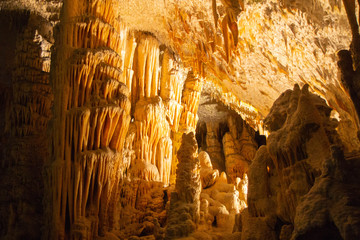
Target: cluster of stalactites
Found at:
104, 76
190, 100
32, 96
239, 148
92, 102
171, 87
153, 146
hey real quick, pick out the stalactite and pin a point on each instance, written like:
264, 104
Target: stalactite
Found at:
147, 68
188, 120
23, 140
93, 109
214, 147
171, 86
32, 95
235, 164
153, 145
190, 101
128, 61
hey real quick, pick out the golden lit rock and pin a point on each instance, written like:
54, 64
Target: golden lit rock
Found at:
106, 104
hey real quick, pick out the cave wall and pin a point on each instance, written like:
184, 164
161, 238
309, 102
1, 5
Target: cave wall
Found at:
94, 111
26, 109
297, 183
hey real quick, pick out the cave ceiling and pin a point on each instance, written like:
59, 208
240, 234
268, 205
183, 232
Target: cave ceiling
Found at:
280, 43
249, 53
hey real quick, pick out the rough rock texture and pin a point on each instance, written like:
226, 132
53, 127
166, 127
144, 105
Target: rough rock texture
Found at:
127, 79
239, 147
142, 209
331, 208
294, 174
26, 109
229, 141
213, 145
221, 202
260, 51
184, 211
208, 175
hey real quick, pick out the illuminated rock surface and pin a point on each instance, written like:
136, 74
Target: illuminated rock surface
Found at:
301, 167
146, 119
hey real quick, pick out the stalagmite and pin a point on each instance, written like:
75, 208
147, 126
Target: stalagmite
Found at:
105, 105
235, 164
184, 212
239, 148
171, 85
224, 203
190, 102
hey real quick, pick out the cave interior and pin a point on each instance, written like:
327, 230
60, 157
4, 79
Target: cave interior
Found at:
170, 119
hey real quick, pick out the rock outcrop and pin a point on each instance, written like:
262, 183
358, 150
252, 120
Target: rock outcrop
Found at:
299, 169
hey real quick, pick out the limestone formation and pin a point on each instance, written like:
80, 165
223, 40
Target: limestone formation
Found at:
184, 211
239, 148
105, 105
213, 145
92, 110
188, 118
208, 175
190, 100
332, 199
153, 144
286, 178
143, 212
27, 99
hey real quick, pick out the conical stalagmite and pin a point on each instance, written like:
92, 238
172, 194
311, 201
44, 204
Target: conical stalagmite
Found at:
184, 212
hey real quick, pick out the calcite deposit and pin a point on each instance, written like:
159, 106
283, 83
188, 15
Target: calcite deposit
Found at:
151, 119
299, 169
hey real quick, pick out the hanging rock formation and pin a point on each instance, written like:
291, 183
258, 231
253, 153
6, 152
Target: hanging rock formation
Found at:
92, 109
26, 109
239, 148
153, 144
